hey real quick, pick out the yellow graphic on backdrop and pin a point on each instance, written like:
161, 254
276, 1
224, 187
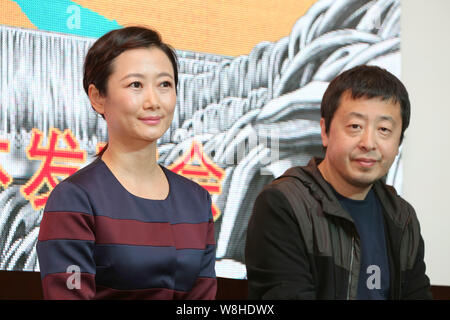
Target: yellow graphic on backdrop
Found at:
226, 27
197, 166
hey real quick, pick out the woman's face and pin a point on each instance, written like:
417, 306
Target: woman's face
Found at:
141, 96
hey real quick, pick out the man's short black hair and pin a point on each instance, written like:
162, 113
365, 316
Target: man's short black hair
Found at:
365, 82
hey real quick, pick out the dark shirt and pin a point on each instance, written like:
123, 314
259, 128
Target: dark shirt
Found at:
373, 281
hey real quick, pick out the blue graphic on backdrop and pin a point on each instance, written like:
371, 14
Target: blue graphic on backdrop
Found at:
66, 16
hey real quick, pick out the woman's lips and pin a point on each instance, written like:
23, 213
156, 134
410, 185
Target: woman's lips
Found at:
151, 121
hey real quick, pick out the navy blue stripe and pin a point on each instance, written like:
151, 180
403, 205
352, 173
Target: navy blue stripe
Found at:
195, 264
128, 267
55, 256
68, 197
189, 264
209, 257
86, 192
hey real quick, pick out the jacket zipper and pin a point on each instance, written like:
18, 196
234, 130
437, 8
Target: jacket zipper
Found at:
351, 267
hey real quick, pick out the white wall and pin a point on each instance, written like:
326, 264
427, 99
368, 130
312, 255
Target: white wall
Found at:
426, 74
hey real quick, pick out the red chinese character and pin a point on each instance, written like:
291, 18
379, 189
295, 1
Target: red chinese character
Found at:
49, 169
194, 164
5, 178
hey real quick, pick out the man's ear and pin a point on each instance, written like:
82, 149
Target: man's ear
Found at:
323, 133
97, 100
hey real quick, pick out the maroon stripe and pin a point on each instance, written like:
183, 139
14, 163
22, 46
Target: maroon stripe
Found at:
203, 289
66, 225
138, 294
80, 226
132, 232
210, 237
54, 287
191, 236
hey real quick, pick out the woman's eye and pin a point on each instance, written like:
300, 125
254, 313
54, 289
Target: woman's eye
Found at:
135, 84
166, 84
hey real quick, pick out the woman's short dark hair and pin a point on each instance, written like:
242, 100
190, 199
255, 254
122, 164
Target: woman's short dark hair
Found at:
365, 82
99, 59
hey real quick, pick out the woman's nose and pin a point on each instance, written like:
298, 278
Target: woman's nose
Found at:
151, 99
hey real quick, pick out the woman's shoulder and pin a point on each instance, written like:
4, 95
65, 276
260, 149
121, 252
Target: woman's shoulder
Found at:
192, 200
184, 184
73, 192
86, 173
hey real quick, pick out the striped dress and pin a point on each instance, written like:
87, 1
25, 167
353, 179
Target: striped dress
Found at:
121, 246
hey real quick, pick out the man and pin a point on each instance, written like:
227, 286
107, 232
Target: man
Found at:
333, 229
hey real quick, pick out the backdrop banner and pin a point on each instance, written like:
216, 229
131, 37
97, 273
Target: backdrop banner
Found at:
240, 121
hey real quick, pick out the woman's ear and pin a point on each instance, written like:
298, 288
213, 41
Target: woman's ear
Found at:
97, 100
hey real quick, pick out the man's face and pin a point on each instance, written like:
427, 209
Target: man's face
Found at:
362, 141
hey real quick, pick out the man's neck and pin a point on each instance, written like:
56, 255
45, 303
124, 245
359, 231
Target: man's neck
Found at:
340, 184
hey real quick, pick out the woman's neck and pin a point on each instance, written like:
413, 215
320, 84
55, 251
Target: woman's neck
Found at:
134, 161
137, 170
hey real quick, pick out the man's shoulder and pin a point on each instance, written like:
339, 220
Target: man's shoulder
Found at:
391, 193
398, 208
289, 182
292, 189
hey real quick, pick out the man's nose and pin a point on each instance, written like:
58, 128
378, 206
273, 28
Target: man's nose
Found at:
368, 140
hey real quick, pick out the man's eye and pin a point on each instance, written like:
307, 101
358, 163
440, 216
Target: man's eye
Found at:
385, 130
355, 126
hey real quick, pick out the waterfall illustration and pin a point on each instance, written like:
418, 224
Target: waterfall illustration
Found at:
255, 115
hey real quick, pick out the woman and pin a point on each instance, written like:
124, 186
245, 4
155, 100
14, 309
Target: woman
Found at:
129, 228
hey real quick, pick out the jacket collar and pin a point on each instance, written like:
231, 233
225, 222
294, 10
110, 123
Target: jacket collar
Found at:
312, 179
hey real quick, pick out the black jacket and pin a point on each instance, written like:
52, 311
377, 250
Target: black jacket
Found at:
301, 244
